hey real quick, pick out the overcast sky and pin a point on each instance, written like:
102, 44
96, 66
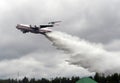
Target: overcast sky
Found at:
32, 55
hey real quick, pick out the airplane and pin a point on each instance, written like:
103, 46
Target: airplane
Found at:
42, 29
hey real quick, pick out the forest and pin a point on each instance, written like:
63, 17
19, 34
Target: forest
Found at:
100, 78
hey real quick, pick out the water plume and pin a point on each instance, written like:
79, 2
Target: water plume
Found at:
90, 56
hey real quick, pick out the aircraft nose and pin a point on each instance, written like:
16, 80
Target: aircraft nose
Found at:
17, 26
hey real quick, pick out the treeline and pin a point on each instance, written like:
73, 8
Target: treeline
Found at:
115, 78
42, 80
101, 78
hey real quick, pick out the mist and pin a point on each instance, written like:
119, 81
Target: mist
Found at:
91, 56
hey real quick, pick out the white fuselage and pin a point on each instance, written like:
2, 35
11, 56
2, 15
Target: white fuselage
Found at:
26, 28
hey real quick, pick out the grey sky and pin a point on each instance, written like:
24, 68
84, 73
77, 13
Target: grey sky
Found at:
93, 20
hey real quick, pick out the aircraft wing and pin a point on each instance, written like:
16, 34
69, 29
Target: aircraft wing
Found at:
44, 26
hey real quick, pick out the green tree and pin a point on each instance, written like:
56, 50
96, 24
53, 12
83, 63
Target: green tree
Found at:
25, 80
